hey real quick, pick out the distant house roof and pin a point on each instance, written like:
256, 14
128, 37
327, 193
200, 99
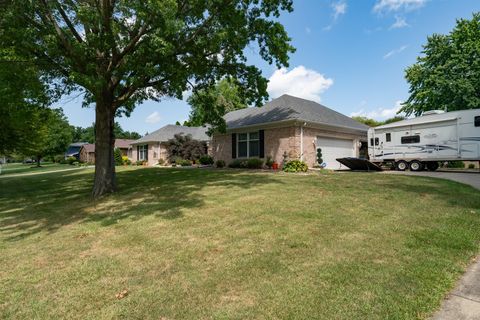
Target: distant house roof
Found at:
74, 148
89, 147
289, 108
123, 143
119, 143
166, 133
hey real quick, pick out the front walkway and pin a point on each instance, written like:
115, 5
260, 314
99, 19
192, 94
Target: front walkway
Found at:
463, 303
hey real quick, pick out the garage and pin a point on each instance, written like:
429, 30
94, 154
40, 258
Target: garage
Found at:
333, 148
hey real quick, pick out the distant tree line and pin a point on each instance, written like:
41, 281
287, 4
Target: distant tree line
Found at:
375, 123
87, 134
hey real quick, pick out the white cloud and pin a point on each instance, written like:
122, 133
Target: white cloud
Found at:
397, 5
308, 30
339, 9
379, 113
400, 22
394, 52
300, 82
153, 118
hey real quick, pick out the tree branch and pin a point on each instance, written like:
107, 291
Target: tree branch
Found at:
69, 23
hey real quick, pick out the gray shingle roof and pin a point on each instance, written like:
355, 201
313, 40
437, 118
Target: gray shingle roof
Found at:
165, 133
287, 108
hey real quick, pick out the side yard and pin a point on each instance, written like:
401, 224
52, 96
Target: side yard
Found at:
202, 244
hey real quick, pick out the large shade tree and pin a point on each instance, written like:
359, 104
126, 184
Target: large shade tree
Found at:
447, 75
122, 52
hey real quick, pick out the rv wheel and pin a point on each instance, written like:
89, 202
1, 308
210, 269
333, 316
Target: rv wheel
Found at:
401, 165
432, 166
416, 165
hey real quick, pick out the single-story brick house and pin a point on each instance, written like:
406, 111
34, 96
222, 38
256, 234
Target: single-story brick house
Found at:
292, 126
151, 148
87, 151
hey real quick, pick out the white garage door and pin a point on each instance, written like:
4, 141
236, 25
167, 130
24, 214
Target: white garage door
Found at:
333, 148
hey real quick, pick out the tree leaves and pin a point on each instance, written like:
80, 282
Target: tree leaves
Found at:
447, 76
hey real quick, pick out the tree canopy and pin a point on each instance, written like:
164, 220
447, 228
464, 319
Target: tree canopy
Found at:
209, 105
123, 52
447, 75
88, 134
375, 123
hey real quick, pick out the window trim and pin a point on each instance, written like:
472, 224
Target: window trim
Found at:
409, 139
248, 140
142, 150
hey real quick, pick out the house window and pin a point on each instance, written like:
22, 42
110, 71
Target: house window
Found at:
410, 139
248, 144
477, 121
388, 137
143, 152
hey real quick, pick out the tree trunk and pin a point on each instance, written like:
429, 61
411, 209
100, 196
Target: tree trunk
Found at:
38, 160
105, 180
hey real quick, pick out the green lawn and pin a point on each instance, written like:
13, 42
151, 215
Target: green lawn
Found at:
27, 168
212, 244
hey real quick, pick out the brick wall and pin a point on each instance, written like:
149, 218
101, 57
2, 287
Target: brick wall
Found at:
281, 140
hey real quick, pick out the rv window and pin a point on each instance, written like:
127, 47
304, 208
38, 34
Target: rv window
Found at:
376, 142
410, 139
477, 121
388, 137
371, 141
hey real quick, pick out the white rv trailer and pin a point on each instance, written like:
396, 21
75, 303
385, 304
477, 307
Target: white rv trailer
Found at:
423, 141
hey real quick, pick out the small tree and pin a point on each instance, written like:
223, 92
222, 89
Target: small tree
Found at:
319, 156
117, 154
185, 147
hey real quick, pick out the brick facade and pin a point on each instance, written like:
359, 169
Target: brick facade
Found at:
283, 140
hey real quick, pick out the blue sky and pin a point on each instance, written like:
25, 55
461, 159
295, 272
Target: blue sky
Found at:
351, 56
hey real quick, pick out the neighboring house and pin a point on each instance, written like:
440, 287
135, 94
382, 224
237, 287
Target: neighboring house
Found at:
151, 147
293, 127
73, 150
87, 151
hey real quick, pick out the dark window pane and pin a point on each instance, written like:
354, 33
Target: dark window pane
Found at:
477, 121
242, 149
410, 139
388, 137
242, 136
254, 135
376, 141
254, 149
371, 141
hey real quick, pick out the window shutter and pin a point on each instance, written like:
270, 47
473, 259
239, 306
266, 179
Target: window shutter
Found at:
234, 145
261, 135
138, 152
146, 151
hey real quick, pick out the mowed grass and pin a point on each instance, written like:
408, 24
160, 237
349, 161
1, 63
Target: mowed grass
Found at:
213, 244
27, 168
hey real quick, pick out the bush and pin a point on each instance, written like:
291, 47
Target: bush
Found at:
161, 162
140, 162
71, 160
237, 163
295, 166
206, 160
269, 162
117, 155
254, 163
59, 158
185, 147
471, 166
455, 164
184, 162
220, 164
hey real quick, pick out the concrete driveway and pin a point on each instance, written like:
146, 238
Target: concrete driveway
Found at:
463, 303
470, 178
